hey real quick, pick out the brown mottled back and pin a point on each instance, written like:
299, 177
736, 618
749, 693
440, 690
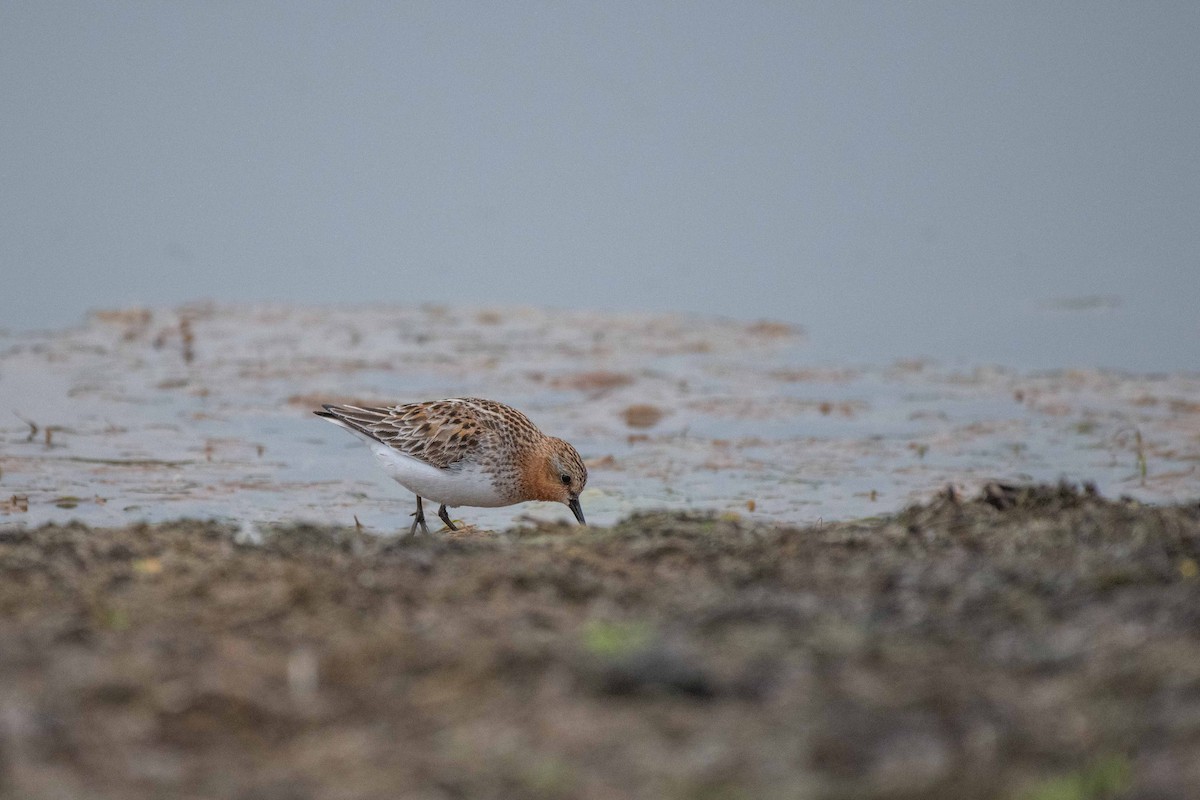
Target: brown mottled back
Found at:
444, 432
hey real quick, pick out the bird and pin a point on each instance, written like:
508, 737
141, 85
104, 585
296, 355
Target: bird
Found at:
466, 451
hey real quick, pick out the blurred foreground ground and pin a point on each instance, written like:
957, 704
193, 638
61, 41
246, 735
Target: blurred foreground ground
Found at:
1033, 643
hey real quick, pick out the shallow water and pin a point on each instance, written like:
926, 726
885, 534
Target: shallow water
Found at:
206, 412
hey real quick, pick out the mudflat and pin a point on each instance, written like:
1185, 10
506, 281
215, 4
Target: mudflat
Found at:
205, 412
1032, 642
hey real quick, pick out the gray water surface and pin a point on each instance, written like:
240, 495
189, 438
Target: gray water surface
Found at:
1012, 184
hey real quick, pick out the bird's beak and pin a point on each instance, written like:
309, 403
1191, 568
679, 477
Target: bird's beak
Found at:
576, 509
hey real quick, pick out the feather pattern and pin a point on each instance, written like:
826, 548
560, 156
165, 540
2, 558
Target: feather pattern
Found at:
466, 451
443, 432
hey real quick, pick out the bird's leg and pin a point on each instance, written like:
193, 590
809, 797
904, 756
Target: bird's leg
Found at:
445, 515
419, 515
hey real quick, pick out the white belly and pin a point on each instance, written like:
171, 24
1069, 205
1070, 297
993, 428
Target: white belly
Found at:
469, 486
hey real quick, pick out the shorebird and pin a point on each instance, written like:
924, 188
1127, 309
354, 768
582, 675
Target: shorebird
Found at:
466, 451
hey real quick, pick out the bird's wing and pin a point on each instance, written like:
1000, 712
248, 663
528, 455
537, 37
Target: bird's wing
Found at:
441, 433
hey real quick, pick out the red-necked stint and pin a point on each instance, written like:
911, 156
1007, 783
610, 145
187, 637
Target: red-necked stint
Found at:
466, 452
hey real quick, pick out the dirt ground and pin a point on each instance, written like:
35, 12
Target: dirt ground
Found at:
1039, 643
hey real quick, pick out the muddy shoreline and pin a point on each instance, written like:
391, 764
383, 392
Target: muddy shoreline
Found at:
1037, 643
205, 411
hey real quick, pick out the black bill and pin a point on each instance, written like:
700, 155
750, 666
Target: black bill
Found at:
576, 509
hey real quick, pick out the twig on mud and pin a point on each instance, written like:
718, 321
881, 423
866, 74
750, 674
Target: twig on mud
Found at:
33, 428
187, 338
16, 503
1139, 450
1141, 454
49, 434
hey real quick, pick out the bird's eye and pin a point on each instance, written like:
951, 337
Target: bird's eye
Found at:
566, 479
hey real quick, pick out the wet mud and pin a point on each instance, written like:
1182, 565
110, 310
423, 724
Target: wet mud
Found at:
206, 412
1029, 642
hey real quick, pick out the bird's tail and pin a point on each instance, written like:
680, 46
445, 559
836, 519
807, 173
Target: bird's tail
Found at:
352, 418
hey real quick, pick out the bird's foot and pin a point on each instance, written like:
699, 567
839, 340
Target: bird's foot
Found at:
445, 517
418, 519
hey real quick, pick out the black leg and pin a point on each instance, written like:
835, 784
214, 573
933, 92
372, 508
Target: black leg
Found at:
445, 515
419, 519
